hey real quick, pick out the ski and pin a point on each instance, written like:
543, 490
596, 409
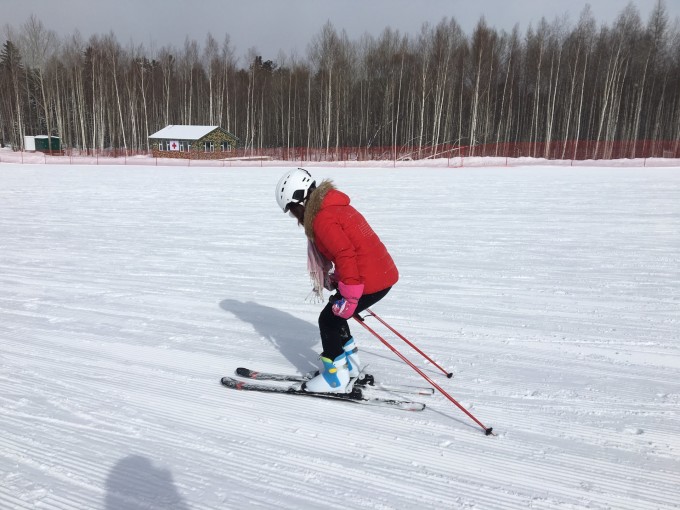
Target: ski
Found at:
356, 396
366, 381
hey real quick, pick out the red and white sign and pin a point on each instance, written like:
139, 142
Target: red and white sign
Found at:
173, 145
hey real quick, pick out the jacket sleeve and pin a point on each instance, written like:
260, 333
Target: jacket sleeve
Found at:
334, 243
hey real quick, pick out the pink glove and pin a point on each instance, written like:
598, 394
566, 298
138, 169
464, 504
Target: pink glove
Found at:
349, 297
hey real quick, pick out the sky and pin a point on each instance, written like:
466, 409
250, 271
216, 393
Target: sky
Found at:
271, 26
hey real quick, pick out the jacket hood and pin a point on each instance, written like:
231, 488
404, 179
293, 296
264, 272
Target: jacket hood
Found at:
320, 198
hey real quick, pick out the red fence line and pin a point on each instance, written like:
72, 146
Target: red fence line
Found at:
557, 150
574, 150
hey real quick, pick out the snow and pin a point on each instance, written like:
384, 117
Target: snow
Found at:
552, 293
259, 160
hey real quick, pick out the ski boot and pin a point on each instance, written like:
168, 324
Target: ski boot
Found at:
334, 376
353, 361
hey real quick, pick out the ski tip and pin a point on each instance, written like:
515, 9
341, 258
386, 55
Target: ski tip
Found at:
417, 406
232, 383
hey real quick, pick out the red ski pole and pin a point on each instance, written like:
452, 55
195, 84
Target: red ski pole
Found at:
371, 312
487, 430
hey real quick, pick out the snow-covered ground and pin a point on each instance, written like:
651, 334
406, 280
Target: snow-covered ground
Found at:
553, 294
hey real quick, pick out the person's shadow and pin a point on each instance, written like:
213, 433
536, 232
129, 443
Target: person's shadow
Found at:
293, 337
135, 483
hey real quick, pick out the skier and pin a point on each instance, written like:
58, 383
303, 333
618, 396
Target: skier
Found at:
344, 254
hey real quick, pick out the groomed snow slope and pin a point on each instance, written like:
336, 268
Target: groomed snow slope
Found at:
553, 294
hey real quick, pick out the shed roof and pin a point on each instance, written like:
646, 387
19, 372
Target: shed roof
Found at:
183, 132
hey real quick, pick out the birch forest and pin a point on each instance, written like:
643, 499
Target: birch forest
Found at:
559, 80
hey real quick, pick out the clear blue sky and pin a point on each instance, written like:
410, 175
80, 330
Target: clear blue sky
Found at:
289, 25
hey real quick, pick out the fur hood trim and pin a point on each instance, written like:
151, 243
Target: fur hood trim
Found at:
313, 206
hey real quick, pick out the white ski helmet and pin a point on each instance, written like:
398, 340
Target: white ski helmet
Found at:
294, 187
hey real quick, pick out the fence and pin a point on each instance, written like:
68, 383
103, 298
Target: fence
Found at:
503, 154
561, 150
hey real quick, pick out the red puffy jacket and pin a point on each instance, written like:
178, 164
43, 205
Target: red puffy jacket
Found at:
345, 238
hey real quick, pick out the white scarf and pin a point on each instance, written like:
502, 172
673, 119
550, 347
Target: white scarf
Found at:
318, 267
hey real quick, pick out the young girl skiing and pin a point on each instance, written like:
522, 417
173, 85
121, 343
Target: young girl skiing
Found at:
344, 253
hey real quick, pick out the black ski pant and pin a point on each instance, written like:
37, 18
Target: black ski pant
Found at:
335, 330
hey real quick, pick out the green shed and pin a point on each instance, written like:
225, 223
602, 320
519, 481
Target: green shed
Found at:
44, 143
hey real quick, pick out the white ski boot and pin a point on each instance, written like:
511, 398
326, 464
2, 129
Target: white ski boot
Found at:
353, 361
334, 377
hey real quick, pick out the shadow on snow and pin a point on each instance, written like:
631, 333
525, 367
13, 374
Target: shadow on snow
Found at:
135, 483
295, 339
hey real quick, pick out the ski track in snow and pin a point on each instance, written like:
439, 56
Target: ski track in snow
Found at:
553, 294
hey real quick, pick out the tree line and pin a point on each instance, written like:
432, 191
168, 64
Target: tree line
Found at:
556, 81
